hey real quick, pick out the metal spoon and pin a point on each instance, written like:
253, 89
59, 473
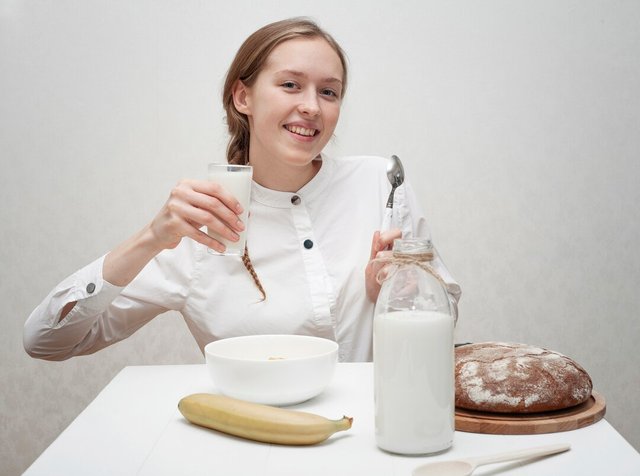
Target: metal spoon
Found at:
465, 467
395, 174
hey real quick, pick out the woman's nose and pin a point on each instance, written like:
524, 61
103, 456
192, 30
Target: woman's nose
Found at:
309, 105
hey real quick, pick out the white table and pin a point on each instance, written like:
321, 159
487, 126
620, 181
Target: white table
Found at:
133, 427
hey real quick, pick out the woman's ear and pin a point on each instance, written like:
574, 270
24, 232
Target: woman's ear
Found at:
241, 98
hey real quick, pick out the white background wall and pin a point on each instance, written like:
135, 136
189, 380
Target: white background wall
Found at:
518, 123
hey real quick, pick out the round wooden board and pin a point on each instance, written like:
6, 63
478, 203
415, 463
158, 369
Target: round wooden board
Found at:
572, 418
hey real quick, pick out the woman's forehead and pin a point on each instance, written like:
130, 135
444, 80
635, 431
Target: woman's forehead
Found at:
306, 56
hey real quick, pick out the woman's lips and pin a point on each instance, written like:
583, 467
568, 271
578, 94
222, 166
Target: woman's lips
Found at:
301, 131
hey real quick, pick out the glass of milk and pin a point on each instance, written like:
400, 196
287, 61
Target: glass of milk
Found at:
237, 180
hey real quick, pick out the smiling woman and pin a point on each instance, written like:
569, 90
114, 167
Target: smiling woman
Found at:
292, 107
311, 220
249, 62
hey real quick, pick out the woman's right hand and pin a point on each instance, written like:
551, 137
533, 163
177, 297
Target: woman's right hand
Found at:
193, 204
381, 245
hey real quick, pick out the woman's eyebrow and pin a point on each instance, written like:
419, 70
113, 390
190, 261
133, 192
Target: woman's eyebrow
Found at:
300, 74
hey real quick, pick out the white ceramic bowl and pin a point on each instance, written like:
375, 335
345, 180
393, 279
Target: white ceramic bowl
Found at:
272, 369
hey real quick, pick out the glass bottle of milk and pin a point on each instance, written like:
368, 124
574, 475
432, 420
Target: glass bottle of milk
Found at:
413, 355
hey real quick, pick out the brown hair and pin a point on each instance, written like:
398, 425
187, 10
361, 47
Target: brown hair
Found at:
246, 67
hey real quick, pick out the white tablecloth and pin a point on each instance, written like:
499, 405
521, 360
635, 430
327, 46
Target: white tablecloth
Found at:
133, 427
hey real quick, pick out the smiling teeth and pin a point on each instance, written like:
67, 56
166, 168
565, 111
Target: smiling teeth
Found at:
301, 131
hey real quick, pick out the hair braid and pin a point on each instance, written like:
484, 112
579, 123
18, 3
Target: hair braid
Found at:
247, 264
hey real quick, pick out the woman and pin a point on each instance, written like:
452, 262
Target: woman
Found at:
306, 269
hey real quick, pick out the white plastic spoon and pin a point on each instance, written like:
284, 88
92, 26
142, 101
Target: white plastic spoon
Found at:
465, 467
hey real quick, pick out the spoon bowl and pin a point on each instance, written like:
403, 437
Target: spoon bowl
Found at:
445, 468
395, 174
465, 467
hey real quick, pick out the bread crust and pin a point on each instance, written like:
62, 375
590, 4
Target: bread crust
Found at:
517, 378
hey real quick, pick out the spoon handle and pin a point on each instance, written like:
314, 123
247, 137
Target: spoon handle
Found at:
520, 454
386, 219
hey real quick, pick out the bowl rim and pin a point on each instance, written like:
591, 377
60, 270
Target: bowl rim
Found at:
209, 353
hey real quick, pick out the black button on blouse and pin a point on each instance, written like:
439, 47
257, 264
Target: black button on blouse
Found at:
308, 244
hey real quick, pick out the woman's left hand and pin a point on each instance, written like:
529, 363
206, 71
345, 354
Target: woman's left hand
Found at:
380, 248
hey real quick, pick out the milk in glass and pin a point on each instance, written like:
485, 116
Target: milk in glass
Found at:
237, 180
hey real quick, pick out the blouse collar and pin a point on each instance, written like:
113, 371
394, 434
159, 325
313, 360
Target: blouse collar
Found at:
308, 192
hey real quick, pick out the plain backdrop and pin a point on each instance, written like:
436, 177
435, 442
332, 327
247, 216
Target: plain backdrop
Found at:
518, 123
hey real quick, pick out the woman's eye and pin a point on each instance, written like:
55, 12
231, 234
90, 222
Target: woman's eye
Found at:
289, 85
329, 92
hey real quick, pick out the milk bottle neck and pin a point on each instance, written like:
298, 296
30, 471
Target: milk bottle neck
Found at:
420, 250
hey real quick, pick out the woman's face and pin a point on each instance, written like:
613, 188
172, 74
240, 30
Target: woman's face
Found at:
294, 105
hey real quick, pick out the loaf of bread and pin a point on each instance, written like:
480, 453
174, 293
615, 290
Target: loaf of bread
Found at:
517, 378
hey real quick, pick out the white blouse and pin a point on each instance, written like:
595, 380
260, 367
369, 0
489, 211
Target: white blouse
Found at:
309, 249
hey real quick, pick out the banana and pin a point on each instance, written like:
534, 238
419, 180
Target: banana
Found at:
258, 422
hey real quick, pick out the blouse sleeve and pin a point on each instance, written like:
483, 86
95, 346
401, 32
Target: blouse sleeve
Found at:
99, 318
409, 217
